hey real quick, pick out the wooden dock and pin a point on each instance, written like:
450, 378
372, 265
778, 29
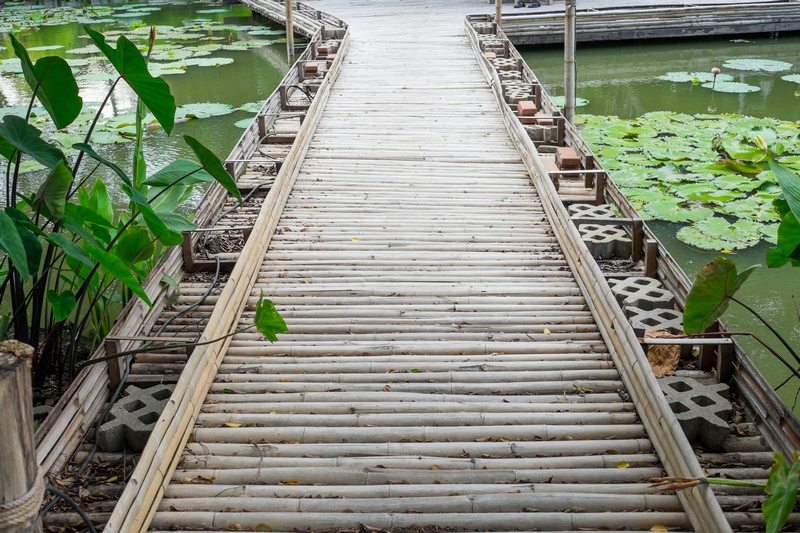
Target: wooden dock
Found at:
604, 20
455, 358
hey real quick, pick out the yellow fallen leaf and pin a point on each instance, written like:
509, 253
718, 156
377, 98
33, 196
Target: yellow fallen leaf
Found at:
284, 380
623, 464
263, 527
290, 482
434, 467
726, 252
659, 527
355, 239
112, 479
547, 331
232, 424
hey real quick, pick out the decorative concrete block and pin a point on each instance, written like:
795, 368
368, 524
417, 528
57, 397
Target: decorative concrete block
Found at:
542, 134
642, 292
644, 320
509, 75
518, 95
504, 63
132, 418
605, 241
702, 410
591, 211
483, 28
567, 158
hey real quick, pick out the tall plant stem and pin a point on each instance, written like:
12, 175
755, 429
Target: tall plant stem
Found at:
769, 327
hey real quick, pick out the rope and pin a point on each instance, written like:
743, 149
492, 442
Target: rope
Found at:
23, 510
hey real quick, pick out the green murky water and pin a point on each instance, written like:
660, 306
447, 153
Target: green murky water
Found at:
251, 76
622, 80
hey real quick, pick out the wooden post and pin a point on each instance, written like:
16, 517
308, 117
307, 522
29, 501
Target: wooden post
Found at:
21, 486
289, 32
569, 60
498, 12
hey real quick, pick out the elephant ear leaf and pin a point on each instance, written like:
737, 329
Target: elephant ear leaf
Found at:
52, 80
54, 190
715, 284
267, 320
132, 67
213, 166
14, 131
11, 244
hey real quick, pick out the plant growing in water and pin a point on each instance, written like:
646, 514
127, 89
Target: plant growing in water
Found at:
69, 260
715, 287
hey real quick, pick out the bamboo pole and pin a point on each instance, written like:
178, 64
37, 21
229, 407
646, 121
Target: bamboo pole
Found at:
498, 12
569, 60
289, 33
21, 485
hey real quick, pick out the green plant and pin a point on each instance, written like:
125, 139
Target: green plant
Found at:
780, 489
715, 286
70, 261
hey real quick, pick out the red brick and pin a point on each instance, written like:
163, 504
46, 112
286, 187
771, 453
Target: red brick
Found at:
331, 57
489, 55
545, 121
567, 158
310, 68
322, 50
526, 108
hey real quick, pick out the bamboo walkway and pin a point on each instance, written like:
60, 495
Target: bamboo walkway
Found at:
442, 370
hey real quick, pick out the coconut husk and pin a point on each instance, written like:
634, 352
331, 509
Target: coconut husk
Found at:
663, 358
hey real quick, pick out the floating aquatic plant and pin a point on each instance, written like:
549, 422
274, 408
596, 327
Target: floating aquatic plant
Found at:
757, 65
559, 101
722, 86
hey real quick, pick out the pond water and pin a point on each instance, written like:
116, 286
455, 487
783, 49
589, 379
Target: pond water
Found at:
622, 80
210, 53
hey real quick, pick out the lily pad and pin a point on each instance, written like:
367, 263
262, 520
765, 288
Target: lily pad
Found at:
757, 65
211, 11
244, 123
672, 211
251, 107
558, 101
732, 87
697, 77
209, 61
204, 110
794, 78
45, 48
716, 233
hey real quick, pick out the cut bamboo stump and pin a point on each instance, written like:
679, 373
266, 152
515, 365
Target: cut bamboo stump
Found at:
21, 486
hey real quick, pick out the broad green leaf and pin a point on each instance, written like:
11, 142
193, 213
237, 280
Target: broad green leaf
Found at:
757, 65
26, 228
132, 66
790, 185
62, 304
100, 159
53, 191
176, 222
69, 248
781, 493
213, 166
153, 220
6, 149
11, 243
98, 200
170, 282
135, 245
731, 87
118, 269
710, 295
52, 80
28, 139
788, 242
268, 321
171, 174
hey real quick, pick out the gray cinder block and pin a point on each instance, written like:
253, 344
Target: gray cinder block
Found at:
702, 410
642, 292
605, 241
132, 418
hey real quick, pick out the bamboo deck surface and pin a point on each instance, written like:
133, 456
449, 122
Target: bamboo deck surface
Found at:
441, 368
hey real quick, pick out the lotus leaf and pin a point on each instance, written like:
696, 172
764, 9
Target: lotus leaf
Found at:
794, 78
716, 233
732, 87
757, 65
204, 110
700, 77
558, 101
